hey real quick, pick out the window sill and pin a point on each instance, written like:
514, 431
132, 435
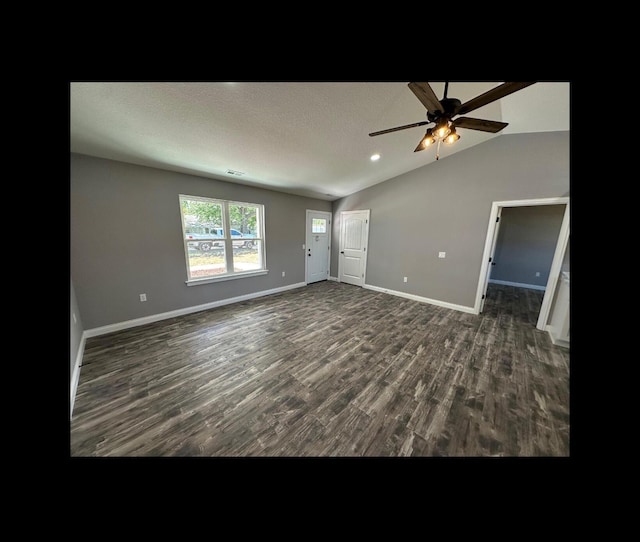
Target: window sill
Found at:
207, 280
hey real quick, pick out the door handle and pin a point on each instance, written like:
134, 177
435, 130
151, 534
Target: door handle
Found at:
493, 263
309, 254
342, 252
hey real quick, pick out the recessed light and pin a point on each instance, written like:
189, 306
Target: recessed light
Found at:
375, 157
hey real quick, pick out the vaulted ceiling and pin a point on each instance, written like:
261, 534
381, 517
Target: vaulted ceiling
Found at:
306, 138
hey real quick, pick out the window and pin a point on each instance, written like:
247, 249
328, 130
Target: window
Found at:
210, 253
318, 225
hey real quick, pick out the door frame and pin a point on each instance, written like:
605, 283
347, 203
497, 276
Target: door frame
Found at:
306, 242
556, 264
366, 242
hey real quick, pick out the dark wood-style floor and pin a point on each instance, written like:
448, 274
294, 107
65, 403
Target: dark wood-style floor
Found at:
328, 370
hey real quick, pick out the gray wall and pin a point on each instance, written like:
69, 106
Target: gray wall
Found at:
445, 206
526, 243
126, 239
75, 329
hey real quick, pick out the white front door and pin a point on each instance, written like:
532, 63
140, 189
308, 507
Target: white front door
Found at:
317, 246
354, 235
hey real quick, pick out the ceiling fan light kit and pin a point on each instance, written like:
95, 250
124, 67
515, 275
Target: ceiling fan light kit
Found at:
426, 141
452, 137
441, 113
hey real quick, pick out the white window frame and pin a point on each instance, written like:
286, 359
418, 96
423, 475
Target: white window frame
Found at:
227, 239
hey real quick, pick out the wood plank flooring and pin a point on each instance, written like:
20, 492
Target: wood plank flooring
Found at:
328, 370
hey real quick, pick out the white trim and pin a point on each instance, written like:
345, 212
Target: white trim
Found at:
228, 241
532, 202
196, 282
187, 310
333, 278
518, 284
421, 299
554, 272
558, 342
75, 377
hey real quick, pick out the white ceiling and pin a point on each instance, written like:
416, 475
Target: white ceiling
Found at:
308, 138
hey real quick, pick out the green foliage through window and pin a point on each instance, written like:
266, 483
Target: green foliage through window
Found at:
222, 237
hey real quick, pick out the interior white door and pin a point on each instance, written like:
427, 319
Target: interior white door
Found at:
354, 235
317, 246
491, 261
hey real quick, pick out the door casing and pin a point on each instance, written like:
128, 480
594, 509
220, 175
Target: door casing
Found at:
556, 264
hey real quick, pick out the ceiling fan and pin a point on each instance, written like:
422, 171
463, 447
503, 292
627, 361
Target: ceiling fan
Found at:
441, 113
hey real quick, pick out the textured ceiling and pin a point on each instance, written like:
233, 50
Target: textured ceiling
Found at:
303, 138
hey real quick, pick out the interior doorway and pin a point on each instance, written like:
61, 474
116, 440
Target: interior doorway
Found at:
556, 264
317, 246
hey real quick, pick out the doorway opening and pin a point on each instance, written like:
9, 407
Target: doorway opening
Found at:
556, 264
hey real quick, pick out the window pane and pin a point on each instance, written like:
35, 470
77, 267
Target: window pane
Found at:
244, 218
222, 237
206, 263
319, 225
201, 217
247, 257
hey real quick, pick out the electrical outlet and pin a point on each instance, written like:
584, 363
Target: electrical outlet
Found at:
283, 273
143, 297
405, 279
442, 254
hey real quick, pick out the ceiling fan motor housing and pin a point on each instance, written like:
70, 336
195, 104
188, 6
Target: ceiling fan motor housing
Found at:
450, 106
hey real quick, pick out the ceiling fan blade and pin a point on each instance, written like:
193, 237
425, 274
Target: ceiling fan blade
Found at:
421, 123
425, 94
483, 125
491, 96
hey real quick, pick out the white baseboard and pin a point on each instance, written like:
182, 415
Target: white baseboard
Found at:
518, 284
555, 340
188, 310
414, 297
333, 278
75, 376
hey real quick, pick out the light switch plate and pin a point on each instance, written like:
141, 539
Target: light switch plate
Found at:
442, 254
